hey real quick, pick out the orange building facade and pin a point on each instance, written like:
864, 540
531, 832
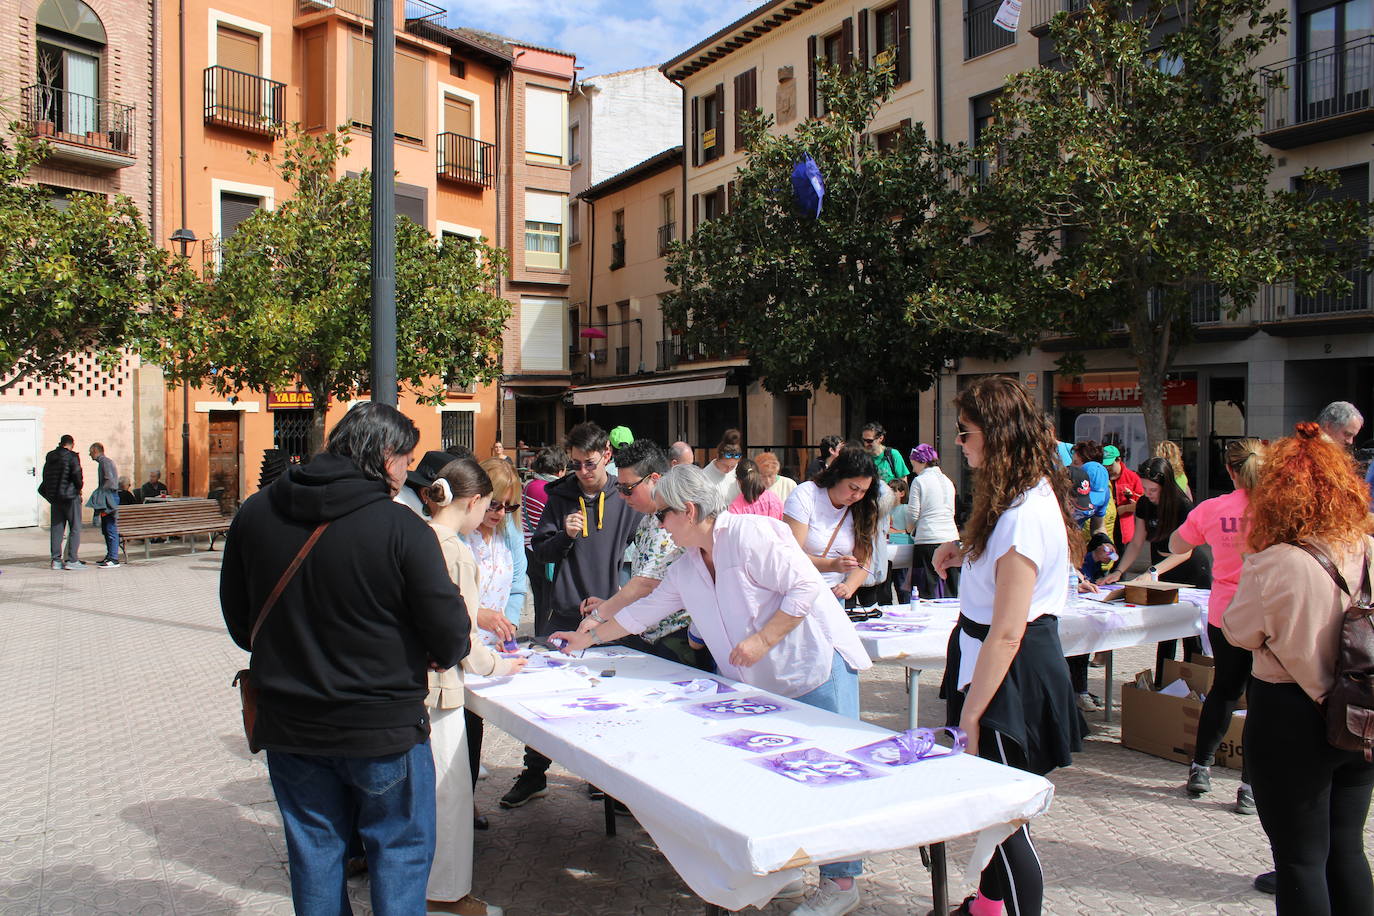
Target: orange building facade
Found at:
240, 72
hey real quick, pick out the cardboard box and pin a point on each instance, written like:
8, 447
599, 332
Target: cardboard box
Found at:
1166, 726
1146, 593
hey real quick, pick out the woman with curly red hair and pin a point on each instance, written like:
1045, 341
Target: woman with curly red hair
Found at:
1005, 679
1313, 798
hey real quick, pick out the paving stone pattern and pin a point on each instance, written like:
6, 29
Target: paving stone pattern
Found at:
127, 787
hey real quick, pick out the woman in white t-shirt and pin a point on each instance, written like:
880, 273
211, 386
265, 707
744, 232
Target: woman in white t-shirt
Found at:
1006, 682
835, 520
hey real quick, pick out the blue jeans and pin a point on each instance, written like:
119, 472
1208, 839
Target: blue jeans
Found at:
840, 695
110, 528
388, 800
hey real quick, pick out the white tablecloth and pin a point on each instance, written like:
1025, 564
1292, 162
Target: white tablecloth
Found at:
733, 830
919, 638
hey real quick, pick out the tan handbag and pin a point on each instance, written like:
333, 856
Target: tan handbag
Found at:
248, 694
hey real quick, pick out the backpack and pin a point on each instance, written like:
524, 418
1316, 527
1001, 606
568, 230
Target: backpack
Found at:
1349, 707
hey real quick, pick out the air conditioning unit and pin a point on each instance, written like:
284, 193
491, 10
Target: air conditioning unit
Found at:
317, 4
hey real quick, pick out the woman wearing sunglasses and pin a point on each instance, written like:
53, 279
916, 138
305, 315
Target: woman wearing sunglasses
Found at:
721, 471
499, 547
1005, 680
763, 610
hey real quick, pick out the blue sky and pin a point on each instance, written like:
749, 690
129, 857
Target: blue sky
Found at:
606, 35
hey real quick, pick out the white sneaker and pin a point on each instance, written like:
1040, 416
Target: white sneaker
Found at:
1088, 703
482, 771
791, 890
828, 899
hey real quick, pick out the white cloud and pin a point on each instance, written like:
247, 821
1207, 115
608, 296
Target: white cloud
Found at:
606, 35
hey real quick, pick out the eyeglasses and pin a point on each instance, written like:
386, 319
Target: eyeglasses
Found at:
625, 490
868, 441
495, 506
731, 455
661, 514
963, 434
588, 465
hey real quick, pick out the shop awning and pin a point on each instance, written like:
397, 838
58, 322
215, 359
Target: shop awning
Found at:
673, 389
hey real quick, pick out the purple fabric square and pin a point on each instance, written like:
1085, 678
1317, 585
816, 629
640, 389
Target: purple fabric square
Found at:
738, 707
812, 766
757, 742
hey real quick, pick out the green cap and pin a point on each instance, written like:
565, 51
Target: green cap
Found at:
621, 437
1110, 454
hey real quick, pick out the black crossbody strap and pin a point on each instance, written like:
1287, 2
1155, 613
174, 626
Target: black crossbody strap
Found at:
285, 579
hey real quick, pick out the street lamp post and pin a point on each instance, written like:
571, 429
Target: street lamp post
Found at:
383, 203
184, 239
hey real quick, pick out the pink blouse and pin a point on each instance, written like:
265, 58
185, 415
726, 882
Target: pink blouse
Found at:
767, 504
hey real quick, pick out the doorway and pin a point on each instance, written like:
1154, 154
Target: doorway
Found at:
19, 473
224, 458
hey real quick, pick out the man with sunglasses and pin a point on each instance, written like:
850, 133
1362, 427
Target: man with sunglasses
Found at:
583, 532
651, 552
889, 460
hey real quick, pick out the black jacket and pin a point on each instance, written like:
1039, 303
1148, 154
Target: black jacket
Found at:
341, 660
61, 476
584, 566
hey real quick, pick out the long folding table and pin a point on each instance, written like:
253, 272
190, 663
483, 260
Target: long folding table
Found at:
737, 816
916, 636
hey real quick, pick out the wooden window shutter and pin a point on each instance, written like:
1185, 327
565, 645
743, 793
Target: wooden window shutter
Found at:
410, 104
720, 120
696, 211
811, 87
695, 131
739, 112
847, 45
903, 41
234, 209
316, 74
360, 80
863, 39
238, 50
730, 197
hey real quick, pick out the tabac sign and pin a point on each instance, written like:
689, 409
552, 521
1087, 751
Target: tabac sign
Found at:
290, 400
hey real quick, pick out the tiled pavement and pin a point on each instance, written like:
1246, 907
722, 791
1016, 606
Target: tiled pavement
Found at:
125, 786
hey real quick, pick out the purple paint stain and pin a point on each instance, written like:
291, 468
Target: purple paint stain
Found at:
869, 626
812, 766
737, 707
756, 742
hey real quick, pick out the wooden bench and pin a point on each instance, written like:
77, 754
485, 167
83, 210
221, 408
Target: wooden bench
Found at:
170, 518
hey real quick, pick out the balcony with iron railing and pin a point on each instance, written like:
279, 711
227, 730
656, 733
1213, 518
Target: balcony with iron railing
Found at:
1285, 311
466, 159
674, 351
244, 101
1036, 14
617, 254
981, 35
414, 10
667, 234
1321, 96
80, 128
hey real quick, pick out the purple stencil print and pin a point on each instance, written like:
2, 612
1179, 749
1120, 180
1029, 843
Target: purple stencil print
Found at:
812, 766
756, 742
738, 707
701, 687
910, 747
559, 708
891, 629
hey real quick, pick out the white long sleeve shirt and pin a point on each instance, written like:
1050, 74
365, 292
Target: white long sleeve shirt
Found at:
760, 570
932, 508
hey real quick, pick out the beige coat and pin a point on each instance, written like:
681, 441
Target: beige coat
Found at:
446, 687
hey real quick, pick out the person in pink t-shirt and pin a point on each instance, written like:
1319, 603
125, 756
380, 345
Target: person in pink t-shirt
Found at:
1221, 523
754, 497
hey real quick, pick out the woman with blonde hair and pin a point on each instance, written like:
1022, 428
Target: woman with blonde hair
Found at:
1220, 523
1005, 679
1313, 798
770, 468
1170, 452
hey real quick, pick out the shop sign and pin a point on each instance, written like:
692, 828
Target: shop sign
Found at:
290, 400
1119, 391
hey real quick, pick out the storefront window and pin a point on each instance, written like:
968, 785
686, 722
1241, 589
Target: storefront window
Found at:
1106, 406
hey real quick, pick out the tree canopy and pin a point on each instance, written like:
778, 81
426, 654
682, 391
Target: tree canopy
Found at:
822, 301
290, 302
1131, 167
83, 278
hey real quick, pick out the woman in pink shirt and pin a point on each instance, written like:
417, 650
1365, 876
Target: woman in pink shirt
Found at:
754, 497
1221, 523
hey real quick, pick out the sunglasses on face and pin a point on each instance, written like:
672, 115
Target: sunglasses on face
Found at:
588, 465
626, 490
731, 455
868, 441
963, 434
661, 514
495, 506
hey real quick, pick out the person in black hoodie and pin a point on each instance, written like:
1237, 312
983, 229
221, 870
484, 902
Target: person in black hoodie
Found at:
61, 487
584, 531
341, 660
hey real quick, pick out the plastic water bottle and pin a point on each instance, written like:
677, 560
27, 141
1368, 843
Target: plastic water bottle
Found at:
1073, 587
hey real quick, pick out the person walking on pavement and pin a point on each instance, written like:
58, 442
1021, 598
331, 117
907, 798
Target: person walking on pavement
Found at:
583, 532
61, 487
341, 662
104, 503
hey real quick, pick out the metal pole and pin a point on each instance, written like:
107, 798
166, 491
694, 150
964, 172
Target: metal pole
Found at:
383, 203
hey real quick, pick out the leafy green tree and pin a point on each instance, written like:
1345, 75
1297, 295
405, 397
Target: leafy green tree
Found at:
1132, 169
823, 301
79, 279
291, 300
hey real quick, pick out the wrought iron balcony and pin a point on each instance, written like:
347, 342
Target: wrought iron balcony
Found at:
1322, 96
981, 36
80, 128
1283, 305
415, 10
244, 101
1036, 14
667, 233
466, 159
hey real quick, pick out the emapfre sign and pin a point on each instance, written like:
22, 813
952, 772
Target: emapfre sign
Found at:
290, 400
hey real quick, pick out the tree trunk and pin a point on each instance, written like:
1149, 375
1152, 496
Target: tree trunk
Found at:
319, 396
1153, 353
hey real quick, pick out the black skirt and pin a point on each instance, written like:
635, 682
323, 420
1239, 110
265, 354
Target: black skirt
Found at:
1035, 706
